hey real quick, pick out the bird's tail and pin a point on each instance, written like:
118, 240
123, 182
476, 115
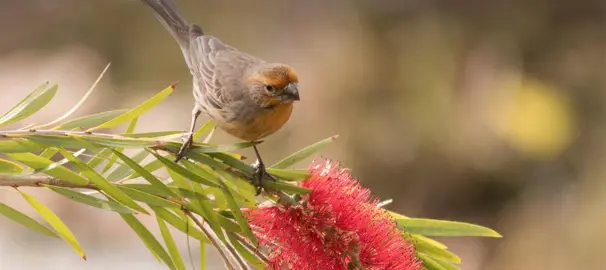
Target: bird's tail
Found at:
167, 13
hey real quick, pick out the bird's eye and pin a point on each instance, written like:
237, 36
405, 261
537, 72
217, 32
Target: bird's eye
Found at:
270, 88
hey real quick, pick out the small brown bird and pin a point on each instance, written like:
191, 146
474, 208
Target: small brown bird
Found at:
245, 96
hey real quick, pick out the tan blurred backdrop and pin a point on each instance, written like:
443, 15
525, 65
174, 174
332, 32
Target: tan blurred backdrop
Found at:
489, 112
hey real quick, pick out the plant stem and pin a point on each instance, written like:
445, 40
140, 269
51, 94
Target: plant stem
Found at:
251, 248
8, 180
212, 237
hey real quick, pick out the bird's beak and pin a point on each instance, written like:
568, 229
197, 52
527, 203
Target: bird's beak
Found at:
291, 92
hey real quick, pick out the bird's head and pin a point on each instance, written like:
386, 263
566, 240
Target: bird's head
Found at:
274, 84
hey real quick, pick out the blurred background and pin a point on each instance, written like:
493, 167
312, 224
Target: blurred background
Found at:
490, 112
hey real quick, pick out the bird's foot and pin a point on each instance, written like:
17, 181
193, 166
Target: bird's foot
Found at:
187, 143
260, 174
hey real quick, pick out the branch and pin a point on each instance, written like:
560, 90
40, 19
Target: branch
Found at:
212, 237
8, 180
245, 243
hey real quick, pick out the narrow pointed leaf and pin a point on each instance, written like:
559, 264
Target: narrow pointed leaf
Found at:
154, 134
153, 180
55, 222
123, 171
178, 223
202, 256
10, 167
148, 239
437, 253
137, 111
29, 106
102, 183
38, 163
205, 128
59, 163
92, 120
148, 198
427, 240
286, 187
184, 172
99, 158
429, 263
25, 220
303, 153
32, 95
234, 162
82, 100
20, 146
289, 175
235, 208
90, 200
432, 227
169, 241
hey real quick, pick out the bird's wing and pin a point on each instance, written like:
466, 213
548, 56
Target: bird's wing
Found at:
204, 55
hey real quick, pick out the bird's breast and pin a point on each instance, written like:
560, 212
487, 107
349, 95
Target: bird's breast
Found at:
258, 124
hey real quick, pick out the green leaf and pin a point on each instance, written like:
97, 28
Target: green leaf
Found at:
59, 163
289, 175
429, 241
30, 105
169, 241
202, 256
148, 198
137, 111
432, 227
92, 120
19, 146
303, 153
209, 148
430, 263
114, 158
24, 220
209, 125
49, 153
39, 163
184, 172
286, 187
124, 170
55, 222
151, 167
234, 162
57, 140
102, 183
99, 158
179, 224
148, 239
153, 134
90, 200
235, 208
146, 175
436, 252
82, 100
10, 167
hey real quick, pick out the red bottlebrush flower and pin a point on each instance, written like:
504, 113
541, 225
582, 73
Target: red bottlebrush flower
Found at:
337, 226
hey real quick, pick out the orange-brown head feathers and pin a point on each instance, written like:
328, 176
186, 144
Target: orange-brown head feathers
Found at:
274, 84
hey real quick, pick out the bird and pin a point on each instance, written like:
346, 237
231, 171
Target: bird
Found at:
245, 96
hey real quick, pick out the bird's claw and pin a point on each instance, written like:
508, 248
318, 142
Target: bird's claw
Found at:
259, 175
187, 143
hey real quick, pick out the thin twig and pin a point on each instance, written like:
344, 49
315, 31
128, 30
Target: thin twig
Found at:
241, 261
212, 237
8, 180
251, 247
